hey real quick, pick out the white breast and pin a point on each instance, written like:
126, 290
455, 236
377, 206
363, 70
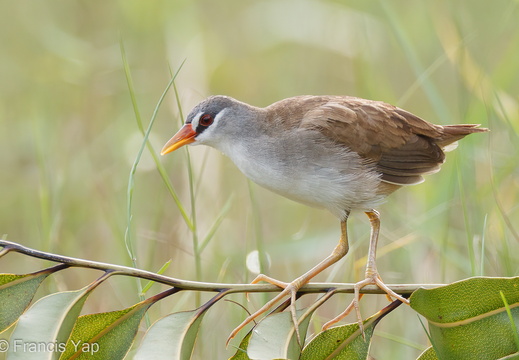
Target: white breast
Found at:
307, 170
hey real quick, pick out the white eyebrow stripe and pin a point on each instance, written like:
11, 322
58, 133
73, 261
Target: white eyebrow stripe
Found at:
196, 118
219, 115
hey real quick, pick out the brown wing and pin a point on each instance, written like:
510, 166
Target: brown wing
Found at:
402, 146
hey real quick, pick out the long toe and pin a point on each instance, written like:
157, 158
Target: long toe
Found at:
374, 279
342, 315
389, 293
289, 290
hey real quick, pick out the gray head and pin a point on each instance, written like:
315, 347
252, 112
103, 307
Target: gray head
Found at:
212, 121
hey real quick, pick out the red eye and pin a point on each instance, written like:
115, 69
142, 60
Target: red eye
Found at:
206, 120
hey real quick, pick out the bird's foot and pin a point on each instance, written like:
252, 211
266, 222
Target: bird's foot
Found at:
289, 289
371, 279
270, 280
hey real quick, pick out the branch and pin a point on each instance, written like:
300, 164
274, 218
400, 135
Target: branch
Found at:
9, 246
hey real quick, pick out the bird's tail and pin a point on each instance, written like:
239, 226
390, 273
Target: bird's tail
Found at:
453, 133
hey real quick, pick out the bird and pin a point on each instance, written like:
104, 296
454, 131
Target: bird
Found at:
341, 153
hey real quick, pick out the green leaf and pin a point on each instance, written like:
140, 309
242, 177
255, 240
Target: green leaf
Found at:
275, 336
345, 341
106, 335
428, 354
241, 352
16, 293
42, 332
469, 317
172, 337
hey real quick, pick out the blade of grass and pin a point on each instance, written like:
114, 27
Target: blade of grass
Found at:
131, 179
150, 283
482, 259
511, 318
410, 53
194, 229
145, 143
127, 235
429, 71
400, 340
201, 172
194, 233
427, 333
216, 224
505, 259
160, 168
263, 260
468, 232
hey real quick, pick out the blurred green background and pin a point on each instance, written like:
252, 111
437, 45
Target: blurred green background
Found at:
69, 137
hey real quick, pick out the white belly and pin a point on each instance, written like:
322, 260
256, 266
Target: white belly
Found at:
314, 174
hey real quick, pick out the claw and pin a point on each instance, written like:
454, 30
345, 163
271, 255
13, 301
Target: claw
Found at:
261, 277
341, 315
373, 279
292, 288
289, 289
262, 310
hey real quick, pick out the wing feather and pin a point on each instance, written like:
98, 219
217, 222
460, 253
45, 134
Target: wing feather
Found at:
402, 146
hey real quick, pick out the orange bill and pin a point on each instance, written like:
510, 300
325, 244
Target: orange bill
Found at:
186, 135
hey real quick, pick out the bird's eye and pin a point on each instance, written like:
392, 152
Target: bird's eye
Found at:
206, 120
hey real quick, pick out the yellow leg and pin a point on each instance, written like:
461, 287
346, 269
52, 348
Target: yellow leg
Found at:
371, 277
290, 289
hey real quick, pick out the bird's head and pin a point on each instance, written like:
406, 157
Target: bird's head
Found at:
211, 122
